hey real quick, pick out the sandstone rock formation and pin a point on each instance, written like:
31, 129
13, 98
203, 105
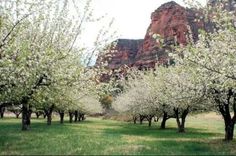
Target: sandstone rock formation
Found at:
171, 24
122, 52
175, 25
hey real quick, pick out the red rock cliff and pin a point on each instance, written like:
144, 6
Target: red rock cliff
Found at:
122, 52
172, 23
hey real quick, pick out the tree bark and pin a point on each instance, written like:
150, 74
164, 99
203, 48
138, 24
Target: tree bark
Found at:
156, 119
2, 110
17, 115
141, 119
224, 109
181, 123
25, 117
37, 114
49, 114
82, 117
71, 115
135, 119
229, 130
62, 114
164, 119
182, 126
49, 119
149, 118
76, 116
26, 111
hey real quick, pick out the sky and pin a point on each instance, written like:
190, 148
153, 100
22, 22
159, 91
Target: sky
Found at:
132, 17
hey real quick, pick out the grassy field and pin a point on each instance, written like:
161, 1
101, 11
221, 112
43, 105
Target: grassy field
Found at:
203, 135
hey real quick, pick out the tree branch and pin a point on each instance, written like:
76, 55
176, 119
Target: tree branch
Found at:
12, 29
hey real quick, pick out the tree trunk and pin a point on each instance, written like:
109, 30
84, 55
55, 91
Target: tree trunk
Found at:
49, 118
71, 114
149, 122
149, 118
37, 114
83, 118
17, 115
134, 119
61, 117
2, 110
76, 116
182, 126
80, 117
224, 109
156, 119
141, 119
181, 123
48, 113
229, 131
164, 119
25, 118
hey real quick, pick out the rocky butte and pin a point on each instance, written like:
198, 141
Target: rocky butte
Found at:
122, 52
171, 24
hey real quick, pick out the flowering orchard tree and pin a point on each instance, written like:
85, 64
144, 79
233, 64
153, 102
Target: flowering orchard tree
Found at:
180, 91
38, 52
213, 58
171, 92
139, 98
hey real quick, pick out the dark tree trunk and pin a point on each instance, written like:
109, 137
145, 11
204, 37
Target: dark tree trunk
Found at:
30, 111
2, 110
156, 119
61, 113
26, 111
182, 126
17, 115
37, 114
49, 119
149, 123
80, 117
229, 130
48, 113
71, 115
44, 115
25, 117
164, 119
181, 123
83, 117
141, 117
135, 119
76, 116
224, 108
149, 118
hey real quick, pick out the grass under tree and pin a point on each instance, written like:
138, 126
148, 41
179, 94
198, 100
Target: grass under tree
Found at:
204, 135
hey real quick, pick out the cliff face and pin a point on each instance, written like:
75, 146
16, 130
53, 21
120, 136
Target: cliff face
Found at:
172, 24
122, 52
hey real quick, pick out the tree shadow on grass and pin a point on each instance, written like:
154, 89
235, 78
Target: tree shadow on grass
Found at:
155, 132
94, 136
168, 141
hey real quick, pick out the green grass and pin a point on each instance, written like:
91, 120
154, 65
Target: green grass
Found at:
204, 135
